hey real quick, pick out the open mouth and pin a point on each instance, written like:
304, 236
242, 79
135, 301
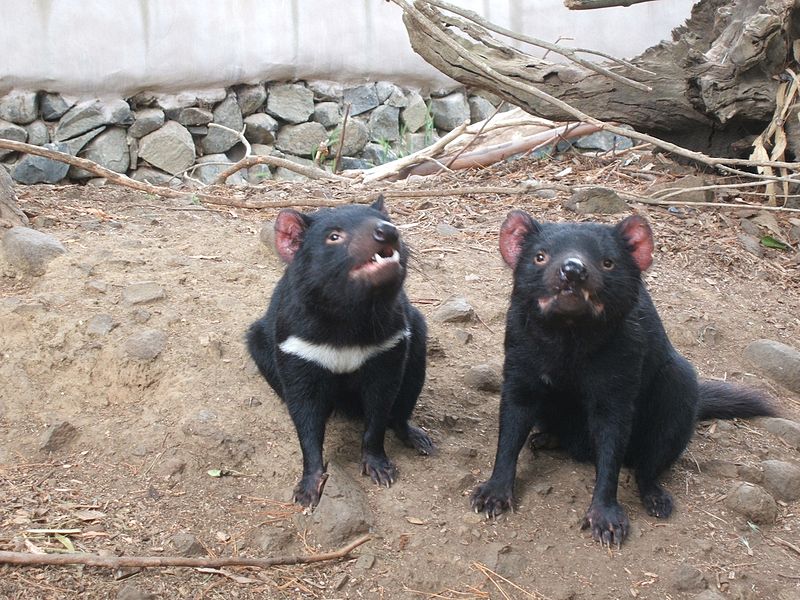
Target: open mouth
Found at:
386, 257
571, 299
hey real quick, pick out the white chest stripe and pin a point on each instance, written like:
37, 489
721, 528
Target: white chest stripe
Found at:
341, 359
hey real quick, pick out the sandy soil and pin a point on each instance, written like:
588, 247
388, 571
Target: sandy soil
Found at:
136, 471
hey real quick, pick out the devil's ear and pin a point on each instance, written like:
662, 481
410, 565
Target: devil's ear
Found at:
378, 205
290, 229
637, 234
517, 226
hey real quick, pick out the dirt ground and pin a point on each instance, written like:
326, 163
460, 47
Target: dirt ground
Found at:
136, 471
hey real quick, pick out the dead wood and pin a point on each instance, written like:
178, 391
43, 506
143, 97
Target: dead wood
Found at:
118, 562
589, 4
713, 85
249, 161
10, 212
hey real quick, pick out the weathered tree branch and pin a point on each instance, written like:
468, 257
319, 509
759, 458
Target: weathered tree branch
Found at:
9, 207
118, 562
589, 4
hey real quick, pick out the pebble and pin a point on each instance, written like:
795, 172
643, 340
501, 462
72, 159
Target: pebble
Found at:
753, 502
186, 544
57, 436
782, 479
596, 200
455, 309
142, 293
780, 362
146, 345
484, 378
29, 250
687, 578
785, 429
100, 325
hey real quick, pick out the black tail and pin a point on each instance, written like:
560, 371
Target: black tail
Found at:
721, 400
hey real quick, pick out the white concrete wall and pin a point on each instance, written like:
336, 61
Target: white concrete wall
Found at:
100, 47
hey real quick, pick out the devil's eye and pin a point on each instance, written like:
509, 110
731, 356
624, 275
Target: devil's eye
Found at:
540, 258
608, 264
333, 236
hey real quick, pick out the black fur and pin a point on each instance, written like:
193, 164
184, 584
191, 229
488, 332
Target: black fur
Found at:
321, 300
588, 364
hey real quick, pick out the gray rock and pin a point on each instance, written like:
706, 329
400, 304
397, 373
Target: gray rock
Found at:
361, 98
211, 165
302, 139
604, 141
291, 102
58, 436
343, 511
384, 124
267, 234
456, 309
19, 107
378, 154
479, 108
681, 186
146, 345
228, 114
100, 325
169, 148
450, 111
146, 121
186, 544
420, 140
259, 173
29, 250
250, 97
204, 98
53, 106
10, 131
143, 293
76, 144
270, 539
193, 115
753, 502
38, 169
328, 114
356, 136
709, 595
109, 150
131, 592
751, 244
596, 200
154, 176
348, 163
365, 562
285, 174
9, 204
720, 468
447, 230
326, 91
38, 134
385, 89
687, 578
505, 560
91, 114
260, 128
781, 479
787, 430
141, 315
484, 378
777, 361
415, 114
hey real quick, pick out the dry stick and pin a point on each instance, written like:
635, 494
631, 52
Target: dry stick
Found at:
341, 139
474, 137
311, 172
589, 4
118, 562
550, 47
436, 32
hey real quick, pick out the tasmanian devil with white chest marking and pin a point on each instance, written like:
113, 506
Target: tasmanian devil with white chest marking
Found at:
340, 334
587, 362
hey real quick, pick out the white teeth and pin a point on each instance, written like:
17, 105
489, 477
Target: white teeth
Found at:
395, 257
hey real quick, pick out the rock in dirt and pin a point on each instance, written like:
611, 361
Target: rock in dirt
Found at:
186, 544
505, 560
58, 436
753, 502
596, 200
782, 479
146, 345
29, 250
683, 187
131, 592
687, 578
709, 595
343, 512
787, 430
720, 468
365, 562
142, 293
267, 235
484, 378
777, 361
270, 539
456, 309
100, 325
9, 205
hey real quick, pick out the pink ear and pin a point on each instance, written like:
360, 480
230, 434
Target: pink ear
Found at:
515, 229
290, 228
639, 236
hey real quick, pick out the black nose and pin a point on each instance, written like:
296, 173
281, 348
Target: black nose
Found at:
385, 233
573, 270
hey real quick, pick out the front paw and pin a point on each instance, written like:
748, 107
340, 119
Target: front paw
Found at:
492, 499
308, 490
379, 468
609, 523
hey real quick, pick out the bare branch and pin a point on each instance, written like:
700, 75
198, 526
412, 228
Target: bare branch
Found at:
589, 4
310, 172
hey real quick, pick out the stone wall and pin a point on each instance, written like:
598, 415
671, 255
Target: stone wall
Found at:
162, 138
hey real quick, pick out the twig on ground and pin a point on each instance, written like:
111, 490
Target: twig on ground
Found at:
310, 172
117, 562
341, 139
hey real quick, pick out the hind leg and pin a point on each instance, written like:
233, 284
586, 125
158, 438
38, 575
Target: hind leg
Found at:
410, 388
663, 430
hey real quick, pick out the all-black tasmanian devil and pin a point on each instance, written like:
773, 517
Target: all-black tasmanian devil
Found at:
341, 334
587, 362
